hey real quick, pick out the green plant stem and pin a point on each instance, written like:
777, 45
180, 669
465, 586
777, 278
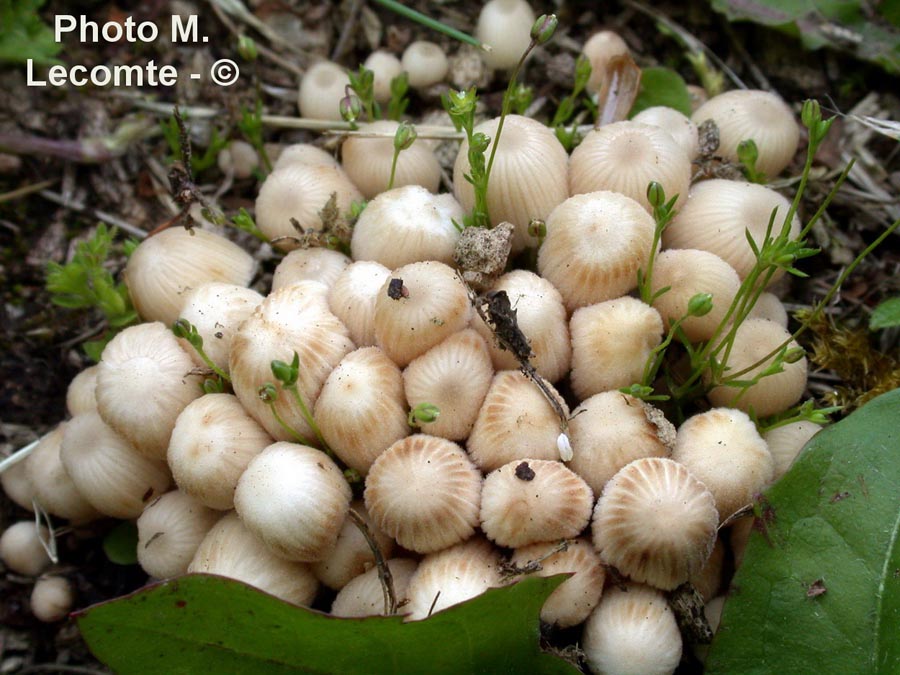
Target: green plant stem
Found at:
393, 168
309, 419
428, 22
287, 427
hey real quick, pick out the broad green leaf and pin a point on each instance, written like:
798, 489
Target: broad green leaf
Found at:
23, 35
120, 543
207, 624
819, 588
886, 315
661, 86
846, 25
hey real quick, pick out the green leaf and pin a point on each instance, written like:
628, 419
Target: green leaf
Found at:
846, 25
819, 588
201, 623
120, 544
886, 315
662, 86
23, 35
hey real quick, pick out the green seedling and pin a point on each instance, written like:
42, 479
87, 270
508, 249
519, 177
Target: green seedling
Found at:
362, 83
184, 329
748, 155
251, 126
399, 97
568, 106
423, 413
404, 137
287, 374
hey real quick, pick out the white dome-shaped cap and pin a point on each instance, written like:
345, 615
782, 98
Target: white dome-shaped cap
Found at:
321, 90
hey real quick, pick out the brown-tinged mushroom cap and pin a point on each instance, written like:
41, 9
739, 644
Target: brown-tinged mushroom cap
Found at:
313, 264
352, 299
600, 49
364, 595
533, 500
424, 492
595, 245
655, 522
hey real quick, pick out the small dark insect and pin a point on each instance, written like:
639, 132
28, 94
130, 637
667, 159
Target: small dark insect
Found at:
524, 472
397, 290
501, 317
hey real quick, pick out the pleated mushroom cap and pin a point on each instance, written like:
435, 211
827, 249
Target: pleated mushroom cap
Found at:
424, 492
453, 575
625, 157
655, 522
421, 305
528, 177
632, 631
312, 264
230, 550
541, 316
294, 498
352, 299
679, 127
364, 595
80, 394
361, 410
368, 161
786, 442
454, 376
595, 244
612, 429
744, 114
719, 213
406, 225
534, 500
515, 422
167, 265
321, 90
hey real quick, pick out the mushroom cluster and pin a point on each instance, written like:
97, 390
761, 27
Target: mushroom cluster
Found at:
406, 433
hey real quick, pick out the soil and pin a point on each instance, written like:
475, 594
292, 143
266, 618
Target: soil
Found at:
40, 342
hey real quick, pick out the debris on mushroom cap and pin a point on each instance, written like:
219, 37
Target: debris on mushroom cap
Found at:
525, 502
364, 595
632, 631
600, 49
655, 522
424, 492
352, 298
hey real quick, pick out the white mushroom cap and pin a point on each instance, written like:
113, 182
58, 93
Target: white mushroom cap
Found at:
611, 429
541, 316
301, 191
21, 549
434, 306
681, 128
632, 631
611, 342
80, 394
533, 500
406, 225
516, 422
295, 499
655, 522
769, 306
144, 383
17, 486
53, 488
364, 595
573, 600
217, 309
230, 550
595, 245
385, 67
745, 114
786, 442
625, 157
368, 161
717, 216
454, 376
424, 492
169, 531
361, 410
687, 272
452, 576
309, 264
528, 177
425, 63
505, 25
321, 90
52, 598
108, 472
723, 449
708, 579
292, 319
352, 555
600, 49
213, 441
167, 265
352, 299
304, 153
754, 340
239, 158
